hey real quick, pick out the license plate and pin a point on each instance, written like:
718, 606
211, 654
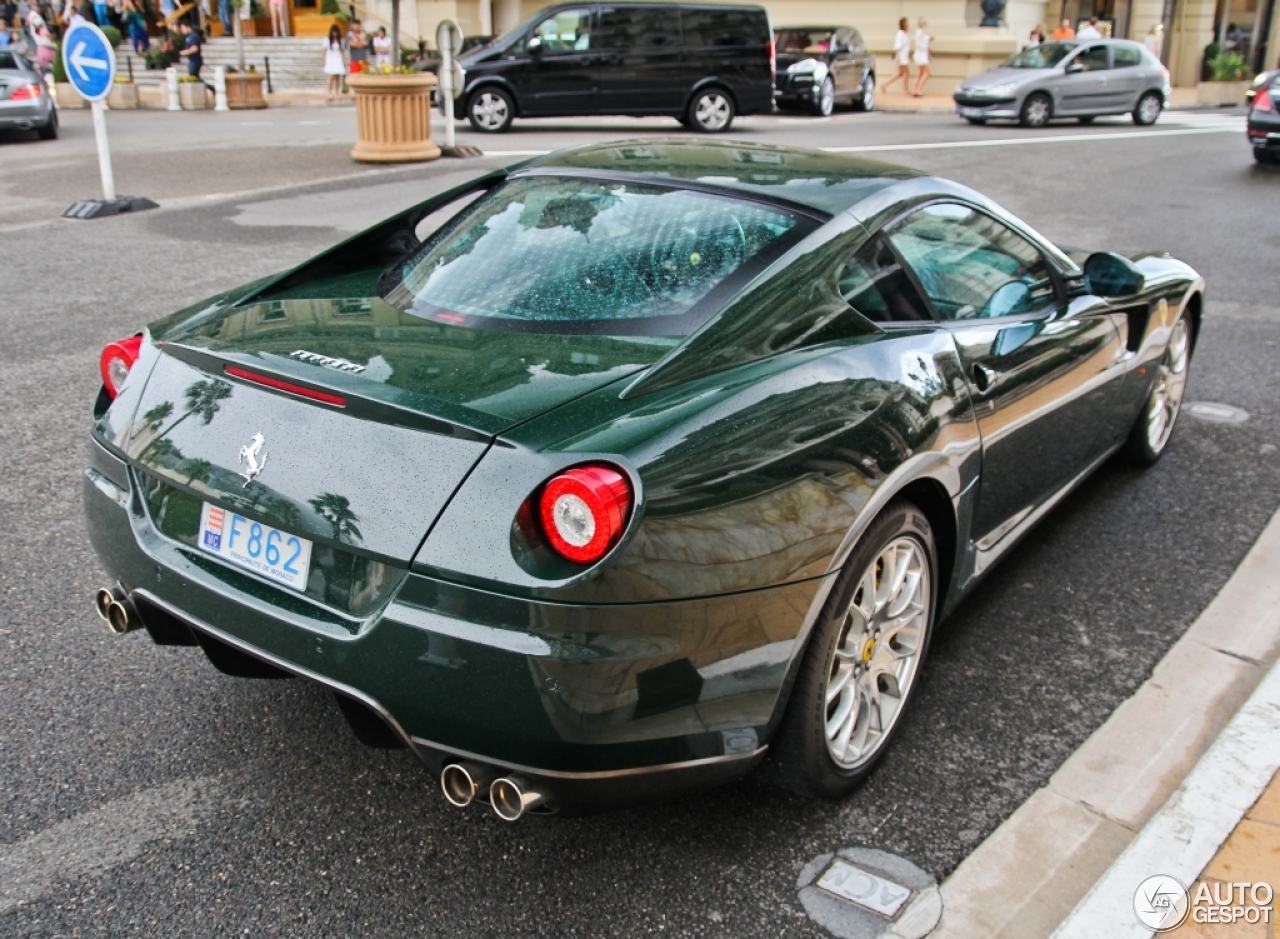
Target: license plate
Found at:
970, 112
268, 551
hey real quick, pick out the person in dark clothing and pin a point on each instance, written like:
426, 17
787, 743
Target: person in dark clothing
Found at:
192, 48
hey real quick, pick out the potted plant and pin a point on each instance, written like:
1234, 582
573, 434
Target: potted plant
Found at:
123, 95
244, 89
1230, 81
393, 116
65, 93
192, 93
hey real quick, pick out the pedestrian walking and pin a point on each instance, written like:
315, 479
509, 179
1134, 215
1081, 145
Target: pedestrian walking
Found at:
1064, 31
136, 24
381, 49
1090, 30
279, 18
225, 13
901, 57
333, 64
921, 57
357, 47
192, 49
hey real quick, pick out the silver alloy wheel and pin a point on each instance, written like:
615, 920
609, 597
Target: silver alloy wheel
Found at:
878, 654
490, 110
826, 98
1036, 113
712, 112
1166, 391
1148, 109
869, 93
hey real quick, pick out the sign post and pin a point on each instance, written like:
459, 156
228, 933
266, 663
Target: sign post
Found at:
449, 42
90, 63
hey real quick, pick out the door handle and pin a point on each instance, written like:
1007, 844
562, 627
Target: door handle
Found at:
985, 378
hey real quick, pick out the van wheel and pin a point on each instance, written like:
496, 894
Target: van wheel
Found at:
490, 110
711, 111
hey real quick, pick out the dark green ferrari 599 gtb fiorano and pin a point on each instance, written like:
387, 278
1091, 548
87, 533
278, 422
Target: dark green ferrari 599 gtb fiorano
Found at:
622, 471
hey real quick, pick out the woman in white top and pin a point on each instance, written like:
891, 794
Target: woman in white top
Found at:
901, 56
381, 49
921, 56
334, 67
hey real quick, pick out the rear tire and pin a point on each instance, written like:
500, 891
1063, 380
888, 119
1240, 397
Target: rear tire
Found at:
1154, 426
490, 110
1148, 109
1037, 111
711, 111
50, 130
867, 100
862, 661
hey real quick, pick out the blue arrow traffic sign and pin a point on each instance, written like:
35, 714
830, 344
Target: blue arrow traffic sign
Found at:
89, 61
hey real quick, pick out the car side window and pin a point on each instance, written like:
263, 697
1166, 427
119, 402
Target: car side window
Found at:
1126, 56
874, 284
855, 40
656, 27
1093, 59
706, 29
971, 266
565, 31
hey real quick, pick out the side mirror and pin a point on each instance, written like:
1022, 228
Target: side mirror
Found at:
1109, 275
534, 46
1074, 68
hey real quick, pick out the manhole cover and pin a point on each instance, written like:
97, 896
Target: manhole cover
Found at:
863, 893
1216, 413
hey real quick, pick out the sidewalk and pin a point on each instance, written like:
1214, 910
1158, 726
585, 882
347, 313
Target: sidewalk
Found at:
895, 102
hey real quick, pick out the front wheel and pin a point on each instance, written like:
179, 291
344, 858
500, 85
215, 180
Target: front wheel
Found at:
862, 660
1036, 111
825, 103
867, 100
711, 111
490, 110
1151, 432
1148, 109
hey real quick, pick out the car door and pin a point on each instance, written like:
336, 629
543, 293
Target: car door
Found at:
559, 76
1045, 371
1082, 88
1129, 77
844, 63
639, 67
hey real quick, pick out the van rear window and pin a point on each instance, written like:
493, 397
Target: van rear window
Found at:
717, 28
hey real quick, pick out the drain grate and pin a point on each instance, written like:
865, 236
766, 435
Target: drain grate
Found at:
864, 893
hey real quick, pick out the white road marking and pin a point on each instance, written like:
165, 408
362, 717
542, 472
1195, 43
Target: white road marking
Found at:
1028, 140
96, 841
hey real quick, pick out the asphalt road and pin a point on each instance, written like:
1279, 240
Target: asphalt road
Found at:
144, 794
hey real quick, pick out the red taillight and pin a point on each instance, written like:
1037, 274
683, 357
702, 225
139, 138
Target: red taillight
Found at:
1262, 101
286, 386
24, 93
117, 359
583, 511
773, 58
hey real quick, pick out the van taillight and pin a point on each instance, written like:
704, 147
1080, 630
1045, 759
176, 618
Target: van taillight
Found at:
773, 58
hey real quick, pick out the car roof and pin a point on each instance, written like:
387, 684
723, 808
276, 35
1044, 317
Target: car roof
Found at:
829, 182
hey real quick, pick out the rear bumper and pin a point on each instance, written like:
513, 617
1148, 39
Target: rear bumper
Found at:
24, 116
598, 705
1264, 135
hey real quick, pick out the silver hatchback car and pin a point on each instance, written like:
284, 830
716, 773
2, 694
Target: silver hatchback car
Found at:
1076, 79
25, 103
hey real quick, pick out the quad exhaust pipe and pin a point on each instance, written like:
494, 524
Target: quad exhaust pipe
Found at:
510, 796
114, 606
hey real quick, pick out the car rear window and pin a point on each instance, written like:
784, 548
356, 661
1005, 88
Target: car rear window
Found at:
8, 60
804, 40
1126, 56
552, 254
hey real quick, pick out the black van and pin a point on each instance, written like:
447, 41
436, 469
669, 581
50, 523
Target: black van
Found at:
700, 64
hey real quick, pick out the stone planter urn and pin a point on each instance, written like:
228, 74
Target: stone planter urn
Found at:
244, 91
192, 96
68, 97
123, 97
393, 118
1221, 94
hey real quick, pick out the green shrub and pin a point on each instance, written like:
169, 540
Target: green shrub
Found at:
1229, 67
330, 7
113, 35
59, 69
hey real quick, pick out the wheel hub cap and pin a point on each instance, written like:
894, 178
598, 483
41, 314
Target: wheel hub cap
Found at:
713, 111
877, 656
1167, 389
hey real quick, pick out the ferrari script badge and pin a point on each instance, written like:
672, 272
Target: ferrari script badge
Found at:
252, 459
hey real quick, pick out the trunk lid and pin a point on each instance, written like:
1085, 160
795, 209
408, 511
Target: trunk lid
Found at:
421, 402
